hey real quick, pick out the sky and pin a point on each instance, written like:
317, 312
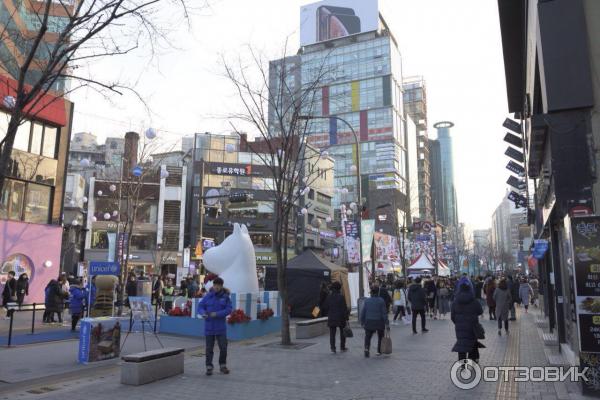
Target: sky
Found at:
454, 45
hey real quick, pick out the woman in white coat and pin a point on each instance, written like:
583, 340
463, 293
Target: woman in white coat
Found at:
399, 298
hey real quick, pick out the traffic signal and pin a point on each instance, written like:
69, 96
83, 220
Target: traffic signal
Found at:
240, 197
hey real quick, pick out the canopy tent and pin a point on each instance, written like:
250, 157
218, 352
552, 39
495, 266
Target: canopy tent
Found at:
305, 275
425, 266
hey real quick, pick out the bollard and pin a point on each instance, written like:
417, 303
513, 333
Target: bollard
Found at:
155, 315
10, 328
33, 320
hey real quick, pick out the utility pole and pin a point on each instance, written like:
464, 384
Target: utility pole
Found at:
435, 244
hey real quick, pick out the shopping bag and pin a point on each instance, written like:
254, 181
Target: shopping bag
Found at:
316, 311
386, 343
348, 332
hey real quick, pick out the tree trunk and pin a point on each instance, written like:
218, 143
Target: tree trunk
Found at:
6, 148
286, 339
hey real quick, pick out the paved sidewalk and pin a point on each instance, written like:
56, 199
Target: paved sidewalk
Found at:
418, 369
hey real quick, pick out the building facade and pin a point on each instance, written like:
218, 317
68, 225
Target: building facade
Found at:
551, 63
415, 105
31, 201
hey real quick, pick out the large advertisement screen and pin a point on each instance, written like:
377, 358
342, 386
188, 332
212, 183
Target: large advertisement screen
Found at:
332, 19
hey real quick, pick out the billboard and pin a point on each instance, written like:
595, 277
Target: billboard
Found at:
332, 19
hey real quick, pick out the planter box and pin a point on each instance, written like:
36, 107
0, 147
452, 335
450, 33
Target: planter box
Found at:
186, 326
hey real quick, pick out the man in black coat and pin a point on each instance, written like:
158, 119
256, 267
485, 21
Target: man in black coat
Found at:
337, 315
418, 300
465, 315
513, 288
9, 293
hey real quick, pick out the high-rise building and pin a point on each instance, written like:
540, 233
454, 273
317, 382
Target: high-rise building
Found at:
415, 105
449, 215
435, 174
355, 79
19, 25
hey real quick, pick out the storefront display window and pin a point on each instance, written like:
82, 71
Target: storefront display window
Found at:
11, 200
256, 209
99, 239
37, 205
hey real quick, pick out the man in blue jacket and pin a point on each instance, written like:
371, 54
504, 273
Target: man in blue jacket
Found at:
215, 307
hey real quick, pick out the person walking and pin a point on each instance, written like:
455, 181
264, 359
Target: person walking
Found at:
337, 315
535, 285
323, 295
214, 308
431, 292
525, 293
503, 300
399, 302
418, 300
77, 299
490, 287
168, 292
465, 313
478, 289
9, 292
373, 318
131, 288
443, 302
55, 301
22, 288
513, 288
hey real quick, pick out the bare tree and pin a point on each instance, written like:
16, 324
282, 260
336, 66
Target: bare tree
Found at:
275, 107
128, 194
67, 36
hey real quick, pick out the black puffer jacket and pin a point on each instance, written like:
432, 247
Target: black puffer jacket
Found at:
337, 310
465, 314
55, 301
417, 297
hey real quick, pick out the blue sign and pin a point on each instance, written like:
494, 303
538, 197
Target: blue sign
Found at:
137, 171
104, 268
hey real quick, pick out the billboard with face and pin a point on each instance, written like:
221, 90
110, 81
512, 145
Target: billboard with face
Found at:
332, 19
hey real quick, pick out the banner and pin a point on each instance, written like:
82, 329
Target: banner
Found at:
352, 242
99, 339
585, 233
386, 247
367, 229
112, 245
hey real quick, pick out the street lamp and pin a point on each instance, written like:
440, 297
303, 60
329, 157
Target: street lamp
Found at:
361, 284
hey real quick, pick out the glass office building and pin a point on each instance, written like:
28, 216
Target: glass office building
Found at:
358, 82
450, 214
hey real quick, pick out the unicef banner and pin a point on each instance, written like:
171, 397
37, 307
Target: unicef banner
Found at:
99, 339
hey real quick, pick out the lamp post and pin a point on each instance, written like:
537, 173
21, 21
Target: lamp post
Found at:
361, 283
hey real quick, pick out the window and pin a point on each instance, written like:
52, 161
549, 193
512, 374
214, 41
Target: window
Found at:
256, 209
311, 194
99, 239
36, 138
49, 149
323, 199
37, 205
147, 212
143, 241
22, 136
11, 200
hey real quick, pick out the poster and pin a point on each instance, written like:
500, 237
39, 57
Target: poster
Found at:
99, 339
352, 242
367, 228
332, 19
386, 247
585, 233
141, 307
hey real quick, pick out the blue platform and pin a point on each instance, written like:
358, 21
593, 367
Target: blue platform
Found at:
186, 326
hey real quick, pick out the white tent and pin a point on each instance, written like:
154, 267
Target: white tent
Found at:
425, 266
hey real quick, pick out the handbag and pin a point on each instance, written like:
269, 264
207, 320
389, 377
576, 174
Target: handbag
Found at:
479, 331
386, 342
316, 311
348, 332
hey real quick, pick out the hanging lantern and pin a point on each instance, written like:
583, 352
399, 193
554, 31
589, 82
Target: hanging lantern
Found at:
84, 162
353, 205
328, 220
115, 213
164, 174
107, 216
84, 199
112, 188
9, 102
74, 222
304, 211
324, 153
72, 203
230, 148
353, 169
345, 190
99, 192
94, 219
348, 212
150, 133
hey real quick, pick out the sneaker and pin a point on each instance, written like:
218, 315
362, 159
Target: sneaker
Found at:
224, 370
499, 332
333, 351
344, 349
366, 353
378, 353
415, 332
209, 371
425, 330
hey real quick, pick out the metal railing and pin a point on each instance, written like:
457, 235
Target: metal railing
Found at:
14, 307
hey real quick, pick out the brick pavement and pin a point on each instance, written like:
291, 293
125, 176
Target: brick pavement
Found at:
418, 369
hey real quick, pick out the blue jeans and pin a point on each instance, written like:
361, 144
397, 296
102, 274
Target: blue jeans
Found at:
210, 345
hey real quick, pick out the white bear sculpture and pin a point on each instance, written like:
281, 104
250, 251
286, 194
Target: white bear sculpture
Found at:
234, 261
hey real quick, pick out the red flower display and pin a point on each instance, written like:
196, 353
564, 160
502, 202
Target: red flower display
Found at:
238, 316
265, 314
